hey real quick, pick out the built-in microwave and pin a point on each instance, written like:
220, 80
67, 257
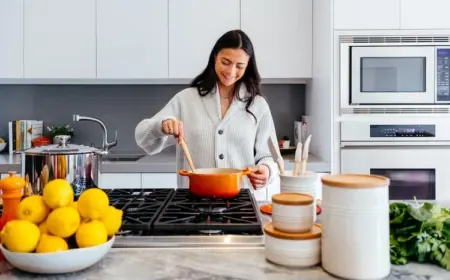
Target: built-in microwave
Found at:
395, 71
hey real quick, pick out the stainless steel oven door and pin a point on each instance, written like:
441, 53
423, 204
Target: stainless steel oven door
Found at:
392, 75
415, 171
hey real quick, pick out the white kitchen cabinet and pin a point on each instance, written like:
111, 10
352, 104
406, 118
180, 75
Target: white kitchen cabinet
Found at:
367, 14
281, 32
59, 39
132, 39
421, 14
159, 180
194, 27
11, 39
120, 181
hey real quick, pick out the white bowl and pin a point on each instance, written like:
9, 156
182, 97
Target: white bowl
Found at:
60, 262
2, 146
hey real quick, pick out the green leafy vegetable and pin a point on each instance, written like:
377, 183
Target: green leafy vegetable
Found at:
419, 233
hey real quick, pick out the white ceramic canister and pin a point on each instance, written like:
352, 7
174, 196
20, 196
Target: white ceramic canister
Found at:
355, 224
307, 183
292, 212
292, 249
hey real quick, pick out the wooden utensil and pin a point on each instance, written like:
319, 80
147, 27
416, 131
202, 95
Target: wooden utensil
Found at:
305, 155
187, 154
275, 155
298, 158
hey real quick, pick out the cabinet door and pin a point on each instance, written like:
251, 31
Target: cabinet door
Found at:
59, 39
120, 181
132, 39
421, 14
194, 27
281, 32
366, 14
159, 180
11, 39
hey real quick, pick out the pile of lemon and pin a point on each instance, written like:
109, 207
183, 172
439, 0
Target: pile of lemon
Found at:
54, 222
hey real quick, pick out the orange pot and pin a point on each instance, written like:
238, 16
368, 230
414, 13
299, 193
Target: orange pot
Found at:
215, 182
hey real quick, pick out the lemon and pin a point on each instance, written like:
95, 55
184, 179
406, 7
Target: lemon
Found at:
33, 209
58, 193
74, 205
63, 222
43, 227
91, 234
93, 203
51, 244
20, 236
112, 220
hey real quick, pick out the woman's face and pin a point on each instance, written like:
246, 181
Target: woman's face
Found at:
230, 65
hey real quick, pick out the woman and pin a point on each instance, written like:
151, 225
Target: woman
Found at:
222, 117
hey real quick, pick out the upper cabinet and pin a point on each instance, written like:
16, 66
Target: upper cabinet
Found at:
132, 39
59, 39
11, 39
425, 14
281, 32
194, 28
367, 14
151, 41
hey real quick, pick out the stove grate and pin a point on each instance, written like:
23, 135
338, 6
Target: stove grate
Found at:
140, 207
185, 213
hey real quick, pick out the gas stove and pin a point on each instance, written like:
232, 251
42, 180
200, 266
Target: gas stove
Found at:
176, 218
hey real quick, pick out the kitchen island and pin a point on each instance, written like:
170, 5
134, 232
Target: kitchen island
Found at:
211, 263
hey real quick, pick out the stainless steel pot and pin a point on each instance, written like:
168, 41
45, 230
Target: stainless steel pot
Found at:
77, 164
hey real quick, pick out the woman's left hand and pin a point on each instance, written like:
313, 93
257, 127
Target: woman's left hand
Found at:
259, 176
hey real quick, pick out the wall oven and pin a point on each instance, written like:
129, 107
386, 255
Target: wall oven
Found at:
380, 71
414, 155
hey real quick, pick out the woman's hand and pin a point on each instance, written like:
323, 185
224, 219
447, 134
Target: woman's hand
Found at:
172, 127
259, 176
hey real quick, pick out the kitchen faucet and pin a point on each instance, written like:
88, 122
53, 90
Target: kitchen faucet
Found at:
106, 145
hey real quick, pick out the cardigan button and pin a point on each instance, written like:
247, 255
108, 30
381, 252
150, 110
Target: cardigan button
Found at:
221, 132
221, 156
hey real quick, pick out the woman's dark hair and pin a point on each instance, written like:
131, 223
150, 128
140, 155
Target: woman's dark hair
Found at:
206, 81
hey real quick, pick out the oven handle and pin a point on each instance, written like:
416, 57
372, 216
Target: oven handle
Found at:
405, 144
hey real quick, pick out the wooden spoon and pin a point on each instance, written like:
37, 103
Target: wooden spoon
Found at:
305, 155
187, 154
298, 158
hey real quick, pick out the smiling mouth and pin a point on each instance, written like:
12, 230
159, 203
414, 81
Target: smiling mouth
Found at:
227, 78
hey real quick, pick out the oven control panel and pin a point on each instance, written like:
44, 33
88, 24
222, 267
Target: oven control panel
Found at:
403, 130
443, 74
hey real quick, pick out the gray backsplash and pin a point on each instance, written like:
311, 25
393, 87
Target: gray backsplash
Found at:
121, 107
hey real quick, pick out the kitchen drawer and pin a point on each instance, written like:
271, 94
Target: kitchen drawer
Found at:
159, 180
120, 181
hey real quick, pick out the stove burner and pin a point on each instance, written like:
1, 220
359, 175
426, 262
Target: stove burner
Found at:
185, 213
214, 210
140, 207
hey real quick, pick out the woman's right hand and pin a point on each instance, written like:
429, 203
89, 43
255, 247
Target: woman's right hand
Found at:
172, 127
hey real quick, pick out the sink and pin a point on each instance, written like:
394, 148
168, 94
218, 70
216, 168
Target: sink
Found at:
122, 157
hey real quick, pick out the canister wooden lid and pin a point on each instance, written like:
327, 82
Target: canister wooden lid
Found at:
355, 181
292, 199
316, 232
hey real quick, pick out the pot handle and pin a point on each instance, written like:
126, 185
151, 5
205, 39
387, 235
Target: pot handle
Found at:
246, 171
184, 173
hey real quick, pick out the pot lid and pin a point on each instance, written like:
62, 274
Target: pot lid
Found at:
62, 148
